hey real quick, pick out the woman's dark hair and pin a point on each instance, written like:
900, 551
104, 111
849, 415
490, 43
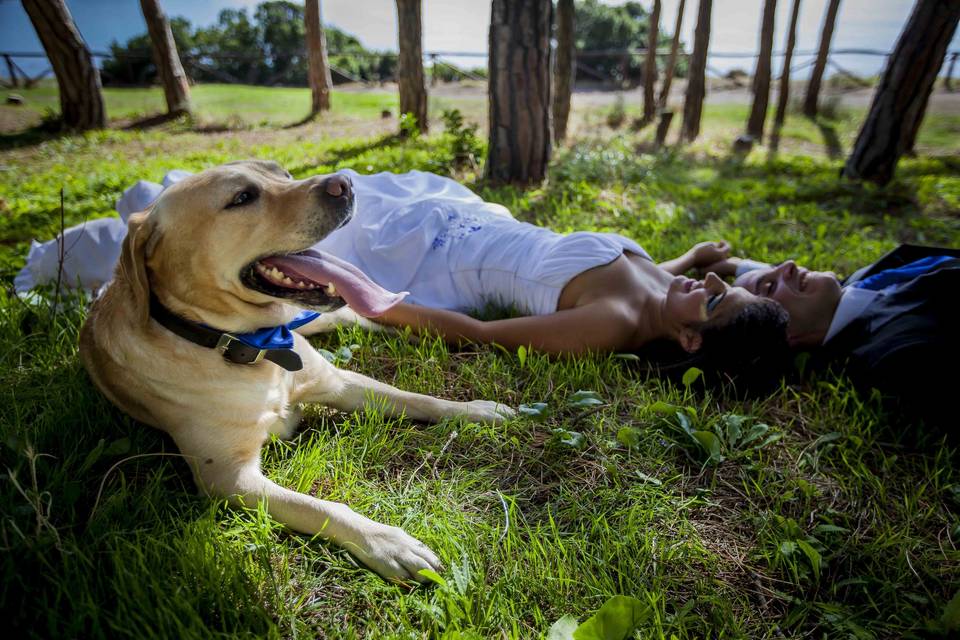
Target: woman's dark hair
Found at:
750, 351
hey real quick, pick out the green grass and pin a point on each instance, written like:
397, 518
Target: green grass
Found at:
836, 521
236, 104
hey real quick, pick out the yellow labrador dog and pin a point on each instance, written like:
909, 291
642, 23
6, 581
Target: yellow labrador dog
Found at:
219, 255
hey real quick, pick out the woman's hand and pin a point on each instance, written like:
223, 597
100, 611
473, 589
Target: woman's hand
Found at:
705, 254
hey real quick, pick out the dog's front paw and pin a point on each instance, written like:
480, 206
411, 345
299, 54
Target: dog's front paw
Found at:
393, 553
488, 411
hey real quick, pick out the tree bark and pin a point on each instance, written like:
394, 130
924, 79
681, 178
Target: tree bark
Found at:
520, 118
318, 71
696, 75
176, 89
672, 60
563, 71
413, 90
783, 96
650, 66
81, 99
894, 119
826, 35
761, 75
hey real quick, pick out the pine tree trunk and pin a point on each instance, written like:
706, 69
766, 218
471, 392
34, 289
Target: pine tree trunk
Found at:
783, 97
520, 121
650, 66
175, 87
672, 60
696, 74
894, 119
413, 89
564, 69
318, 72
761, 75
81, 100
826, 35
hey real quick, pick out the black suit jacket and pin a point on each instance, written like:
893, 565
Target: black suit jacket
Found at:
905, 344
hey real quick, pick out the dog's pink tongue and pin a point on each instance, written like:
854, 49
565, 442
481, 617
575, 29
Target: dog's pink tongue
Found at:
363, 295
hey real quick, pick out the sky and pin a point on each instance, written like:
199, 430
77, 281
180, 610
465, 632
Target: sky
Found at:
462, 25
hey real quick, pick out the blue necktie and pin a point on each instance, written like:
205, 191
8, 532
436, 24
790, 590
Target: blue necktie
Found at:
898, 275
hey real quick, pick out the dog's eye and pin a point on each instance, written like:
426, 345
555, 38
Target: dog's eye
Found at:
244, 197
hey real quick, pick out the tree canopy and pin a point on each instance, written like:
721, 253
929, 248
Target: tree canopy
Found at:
601, 27
265, 48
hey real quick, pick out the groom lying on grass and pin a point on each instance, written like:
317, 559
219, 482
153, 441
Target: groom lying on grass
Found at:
893, 323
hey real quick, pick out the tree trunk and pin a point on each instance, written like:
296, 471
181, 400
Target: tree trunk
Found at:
413, 90
318, 71
901, 97
175, 87
672, 60
81, 100
696, 74
519, 147
784, 95
761, 75
650, 66
826, 35
563, 71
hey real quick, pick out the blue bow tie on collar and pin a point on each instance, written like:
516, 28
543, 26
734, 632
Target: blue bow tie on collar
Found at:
276, 337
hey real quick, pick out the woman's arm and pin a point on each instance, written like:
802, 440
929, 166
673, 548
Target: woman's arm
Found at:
698, 256
606, 325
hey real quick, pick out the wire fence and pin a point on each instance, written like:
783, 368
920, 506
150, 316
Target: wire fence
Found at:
611, 66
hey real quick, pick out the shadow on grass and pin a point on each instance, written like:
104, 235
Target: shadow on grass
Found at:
830, 139
350, 152
33, 136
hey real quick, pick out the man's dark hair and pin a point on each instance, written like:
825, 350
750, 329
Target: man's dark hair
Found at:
750, 351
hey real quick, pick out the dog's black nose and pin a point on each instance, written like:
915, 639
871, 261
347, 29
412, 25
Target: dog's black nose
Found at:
338, 186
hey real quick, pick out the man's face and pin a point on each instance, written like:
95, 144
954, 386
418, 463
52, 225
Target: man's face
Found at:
810, 297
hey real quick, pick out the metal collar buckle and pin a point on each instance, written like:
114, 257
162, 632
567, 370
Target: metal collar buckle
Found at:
226, 341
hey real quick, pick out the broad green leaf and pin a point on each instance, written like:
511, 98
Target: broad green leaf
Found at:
632, 357
813, 555
683, 421
690, 376
830, 528
535, 410
522, 355
733, 425
710, 443
753, 433
563, 628
616, 620
118, 447
788, 548
433, 576
584, 399
663, 408
329, 355
573, 439
951, 613
344, 355
628, 437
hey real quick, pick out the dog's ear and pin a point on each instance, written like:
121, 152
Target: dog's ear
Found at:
141, 229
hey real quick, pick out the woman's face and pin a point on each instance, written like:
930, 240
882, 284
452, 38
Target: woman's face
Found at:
707, 302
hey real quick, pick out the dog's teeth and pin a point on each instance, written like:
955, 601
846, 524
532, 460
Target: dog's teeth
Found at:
331, 290
287, 280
